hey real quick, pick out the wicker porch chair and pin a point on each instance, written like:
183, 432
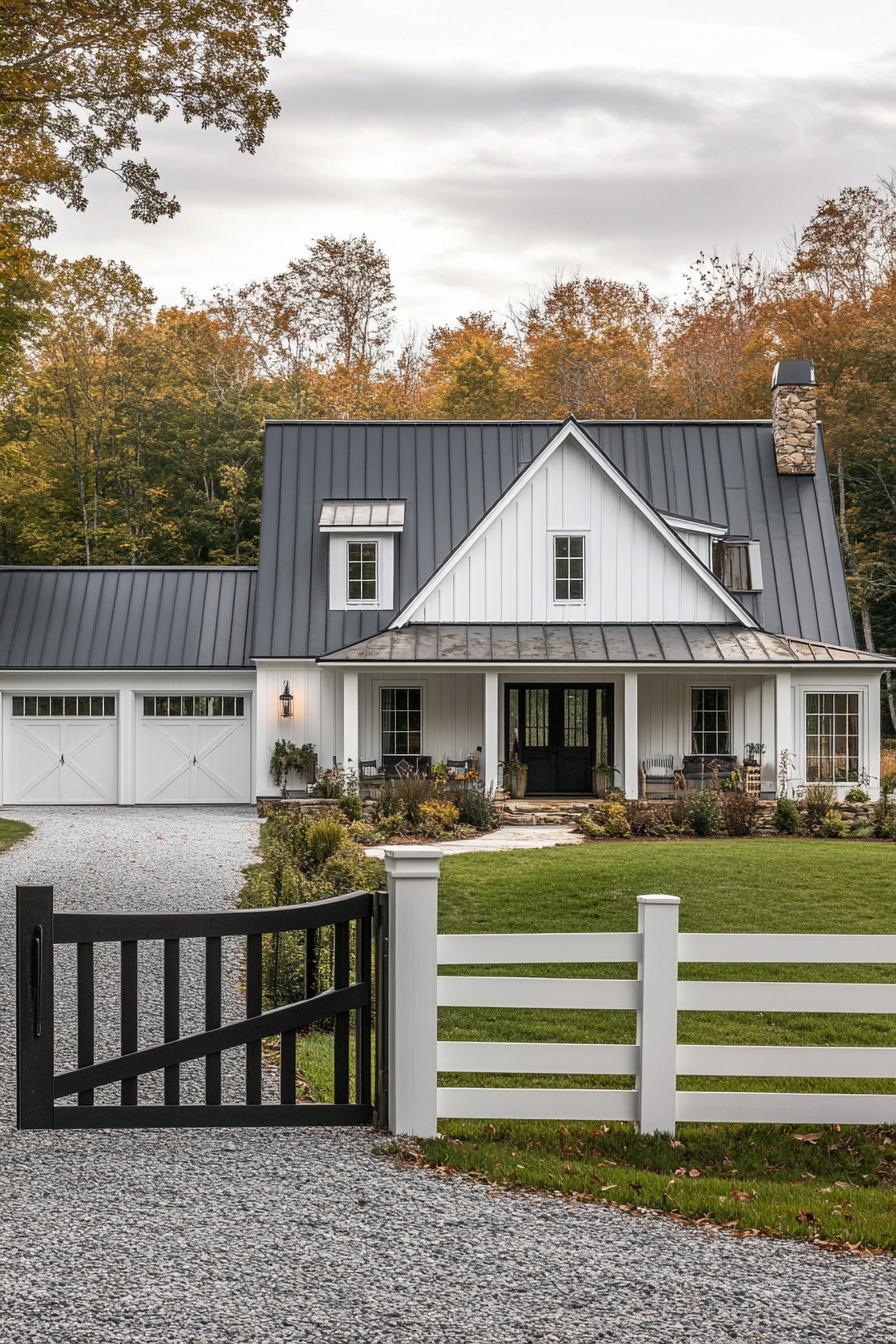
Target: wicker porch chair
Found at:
659, 771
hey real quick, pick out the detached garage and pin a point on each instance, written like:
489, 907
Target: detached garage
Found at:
128, 685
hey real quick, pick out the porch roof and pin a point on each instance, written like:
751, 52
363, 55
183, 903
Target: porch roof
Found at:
601, 644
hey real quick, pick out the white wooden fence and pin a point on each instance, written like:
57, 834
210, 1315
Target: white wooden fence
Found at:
416, 991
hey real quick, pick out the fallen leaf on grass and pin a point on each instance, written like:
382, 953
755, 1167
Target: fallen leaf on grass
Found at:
807, 1138
806, 1216
608, 1187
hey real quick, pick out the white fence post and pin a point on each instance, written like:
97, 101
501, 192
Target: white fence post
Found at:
658, 1013
412, 887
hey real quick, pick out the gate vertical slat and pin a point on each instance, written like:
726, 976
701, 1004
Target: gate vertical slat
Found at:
310, 963
86, 1014
171, 1016
363, 972
212, 1018
129, 1041
381, 1015
288, 1068
341, 972
253, 1008
34, 1007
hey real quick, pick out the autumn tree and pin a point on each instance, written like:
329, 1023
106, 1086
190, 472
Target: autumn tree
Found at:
589, 349
470, 370
78, 78
715, 350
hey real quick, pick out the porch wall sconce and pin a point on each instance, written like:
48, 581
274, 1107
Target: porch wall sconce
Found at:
286, 699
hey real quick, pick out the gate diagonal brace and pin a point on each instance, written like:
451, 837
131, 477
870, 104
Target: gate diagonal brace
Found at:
271, 1023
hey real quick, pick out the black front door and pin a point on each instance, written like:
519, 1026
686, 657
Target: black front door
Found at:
560, 733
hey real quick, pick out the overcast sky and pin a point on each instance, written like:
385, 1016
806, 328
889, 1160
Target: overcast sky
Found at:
488, 144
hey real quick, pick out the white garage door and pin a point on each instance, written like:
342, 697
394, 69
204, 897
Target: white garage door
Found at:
193, 749
61, 749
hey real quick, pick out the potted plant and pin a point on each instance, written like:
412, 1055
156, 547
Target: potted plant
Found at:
282, 762
602, 773
515, 777
286, 757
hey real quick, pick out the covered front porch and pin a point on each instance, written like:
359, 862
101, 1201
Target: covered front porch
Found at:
565, 725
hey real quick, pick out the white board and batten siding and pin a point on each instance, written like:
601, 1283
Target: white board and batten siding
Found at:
316, 717
632, 571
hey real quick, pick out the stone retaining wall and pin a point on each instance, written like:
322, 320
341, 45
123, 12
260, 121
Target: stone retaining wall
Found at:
557, 812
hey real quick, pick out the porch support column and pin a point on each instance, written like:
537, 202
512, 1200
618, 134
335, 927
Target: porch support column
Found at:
783, 718
490, 748
350, 731
630, 772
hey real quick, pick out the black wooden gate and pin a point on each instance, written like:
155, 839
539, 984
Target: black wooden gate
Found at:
357, 924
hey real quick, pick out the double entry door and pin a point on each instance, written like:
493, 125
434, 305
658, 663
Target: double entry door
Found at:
560, 733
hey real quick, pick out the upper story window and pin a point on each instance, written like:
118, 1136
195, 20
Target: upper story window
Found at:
710, 720
569, 569
737, 565
362, 571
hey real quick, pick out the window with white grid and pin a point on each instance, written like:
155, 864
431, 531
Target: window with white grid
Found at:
401, 712
362, 566
832, 737
569, 569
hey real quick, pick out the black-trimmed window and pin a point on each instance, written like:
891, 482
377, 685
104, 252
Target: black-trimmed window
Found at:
194, 706
569, 569
63, 706
401, 718
362, 571
710, 720
832, 737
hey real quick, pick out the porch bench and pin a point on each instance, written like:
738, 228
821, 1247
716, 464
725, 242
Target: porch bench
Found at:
701, 771
658, 770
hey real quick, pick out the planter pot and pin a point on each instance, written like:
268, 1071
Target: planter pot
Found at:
516, 783
601, 780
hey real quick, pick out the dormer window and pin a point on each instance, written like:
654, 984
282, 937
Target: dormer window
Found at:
362, 571
363, 535
569, 569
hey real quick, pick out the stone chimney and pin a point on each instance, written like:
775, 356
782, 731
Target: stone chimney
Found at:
794, 414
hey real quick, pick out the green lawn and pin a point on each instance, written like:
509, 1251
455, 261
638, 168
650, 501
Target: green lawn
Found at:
837, 1184
12, 831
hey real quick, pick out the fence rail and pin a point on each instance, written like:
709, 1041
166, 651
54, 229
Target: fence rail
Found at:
657, 995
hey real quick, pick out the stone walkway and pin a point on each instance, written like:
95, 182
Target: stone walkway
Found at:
311, 1237
504, 838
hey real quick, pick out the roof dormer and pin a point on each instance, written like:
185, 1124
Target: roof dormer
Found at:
362, 536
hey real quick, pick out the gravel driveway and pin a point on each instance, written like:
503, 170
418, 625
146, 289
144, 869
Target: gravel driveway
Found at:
253, 1236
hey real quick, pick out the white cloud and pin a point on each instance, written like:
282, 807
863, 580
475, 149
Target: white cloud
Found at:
547, 148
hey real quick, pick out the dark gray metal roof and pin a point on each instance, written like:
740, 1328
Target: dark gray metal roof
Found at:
730, 644
135, 617
452, 473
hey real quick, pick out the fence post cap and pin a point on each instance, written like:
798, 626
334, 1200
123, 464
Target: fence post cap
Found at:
659, 899
412, 860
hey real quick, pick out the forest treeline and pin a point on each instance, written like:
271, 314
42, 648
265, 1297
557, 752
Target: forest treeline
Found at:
132, 434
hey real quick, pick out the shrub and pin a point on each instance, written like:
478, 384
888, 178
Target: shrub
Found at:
588, 826
365, 833
322, 839
704, 812
819, 800
740, 812
303, 860
883, 819
833, 826
436, 817
786, 817
861, 831
351, 807
649, 820
476, 807
856, 795
609, 818
403, 796
678, 814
